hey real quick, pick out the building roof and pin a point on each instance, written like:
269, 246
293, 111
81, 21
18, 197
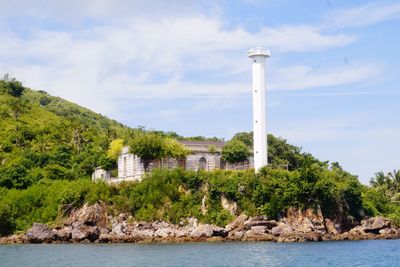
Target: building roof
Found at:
202, 146
195, 146
202, 143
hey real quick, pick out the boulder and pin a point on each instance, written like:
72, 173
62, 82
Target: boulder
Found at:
106, 238
208, 230
388, 233
90, 215
330, 227
235, 235
144, 225
78, 235
259, 229
192, 222
258, 233
301, 237
142, 234
80, 232
160, 225
164, 232
305, 226
65, 233
122, 217
182, 232
375, 224
40, 233
118, 229
358, 233
104, 230
260, 221
237, 223
14, 239
282, 229
306, 221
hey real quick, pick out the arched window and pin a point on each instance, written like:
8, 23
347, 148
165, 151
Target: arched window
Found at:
182, 163
222, 164
202, 163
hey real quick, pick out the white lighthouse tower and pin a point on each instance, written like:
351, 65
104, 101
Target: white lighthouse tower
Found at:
258, 56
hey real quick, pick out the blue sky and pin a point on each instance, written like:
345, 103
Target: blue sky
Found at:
333, 78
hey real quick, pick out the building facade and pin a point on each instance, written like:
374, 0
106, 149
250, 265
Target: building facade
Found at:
205, 155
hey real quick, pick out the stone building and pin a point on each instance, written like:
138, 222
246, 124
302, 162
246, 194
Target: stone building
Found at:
205, 155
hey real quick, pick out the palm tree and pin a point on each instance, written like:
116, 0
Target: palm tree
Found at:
395, 177
380, 179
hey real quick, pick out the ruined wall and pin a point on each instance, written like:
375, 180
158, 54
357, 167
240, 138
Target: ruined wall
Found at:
130, 166
100, 175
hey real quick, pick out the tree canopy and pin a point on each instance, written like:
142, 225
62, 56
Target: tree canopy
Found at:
150, 146
235, 151
11, 86
281, 153
147, 146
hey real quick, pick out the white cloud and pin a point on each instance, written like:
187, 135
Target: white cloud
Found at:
363, 15
146, 57
305, 77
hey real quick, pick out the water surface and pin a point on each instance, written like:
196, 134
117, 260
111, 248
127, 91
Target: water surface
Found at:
340, 253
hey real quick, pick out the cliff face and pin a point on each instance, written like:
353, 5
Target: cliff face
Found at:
93, 224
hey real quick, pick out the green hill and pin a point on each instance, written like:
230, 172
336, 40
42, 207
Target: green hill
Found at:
43, 136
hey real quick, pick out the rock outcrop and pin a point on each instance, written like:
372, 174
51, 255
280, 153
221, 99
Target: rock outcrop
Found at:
93, 224
40, 233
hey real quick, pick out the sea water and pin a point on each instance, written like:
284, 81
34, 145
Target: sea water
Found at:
340, 253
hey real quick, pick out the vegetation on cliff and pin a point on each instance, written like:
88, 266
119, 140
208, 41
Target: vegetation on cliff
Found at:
176, 194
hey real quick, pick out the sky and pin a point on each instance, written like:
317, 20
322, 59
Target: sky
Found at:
332, 79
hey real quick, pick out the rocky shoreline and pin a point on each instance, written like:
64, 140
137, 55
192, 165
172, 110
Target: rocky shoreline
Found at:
92, 224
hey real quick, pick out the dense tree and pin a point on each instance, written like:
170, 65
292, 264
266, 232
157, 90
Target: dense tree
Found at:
151, 145
280, 153
395, 178
11, 86
172, 148
245, 137
380, 179
235, 151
